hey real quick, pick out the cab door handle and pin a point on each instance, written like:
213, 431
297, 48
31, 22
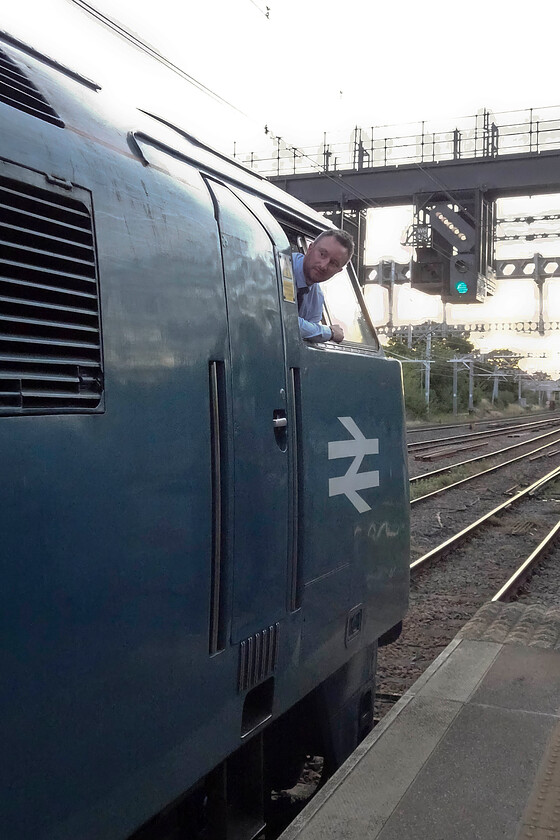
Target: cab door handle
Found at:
279, 424
279, 420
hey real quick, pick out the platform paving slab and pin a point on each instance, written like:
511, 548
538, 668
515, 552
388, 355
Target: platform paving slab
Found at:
468, 753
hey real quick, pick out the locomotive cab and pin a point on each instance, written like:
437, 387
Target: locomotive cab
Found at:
205, 518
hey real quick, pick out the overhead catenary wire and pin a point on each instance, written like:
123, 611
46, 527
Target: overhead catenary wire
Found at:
358, 194
337, 180
443, 360
444, 188
125, 33
370, 203
265, 11
140, 44
136, 41
129, 36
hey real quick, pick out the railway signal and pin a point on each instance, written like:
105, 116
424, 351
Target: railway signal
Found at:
453, 237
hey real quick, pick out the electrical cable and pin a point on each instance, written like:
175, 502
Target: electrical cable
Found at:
125, 33
445, 189
435, 359
355, 192
263, 12
358, 194
129, 36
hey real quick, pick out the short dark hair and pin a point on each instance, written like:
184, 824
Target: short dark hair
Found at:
342, 237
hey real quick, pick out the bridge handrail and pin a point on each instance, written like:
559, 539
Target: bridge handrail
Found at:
482, 135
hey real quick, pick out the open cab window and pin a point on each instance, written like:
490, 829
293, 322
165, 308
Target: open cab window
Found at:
344, 304
344, 301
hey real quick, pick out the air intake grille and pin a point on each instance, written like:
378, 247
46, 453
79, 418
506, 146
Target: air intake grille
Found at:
257, 657
50, 344
18, 91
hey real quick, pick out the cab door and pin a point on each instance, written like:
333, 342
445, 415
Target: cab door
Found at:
257, 382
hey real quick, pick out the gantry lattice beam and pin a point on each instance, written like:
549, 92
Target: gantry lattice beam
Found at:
497, 177
410, 332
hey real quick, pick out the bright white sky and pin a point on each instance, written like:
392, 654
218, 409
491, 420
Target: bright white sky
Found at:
313, 66
316, 66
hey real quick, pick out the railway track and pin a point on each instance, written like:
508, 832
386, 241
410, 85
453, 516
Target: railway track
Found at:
459, 538
533, 454
487, 455
536, 581
511, 587
439, 610
415, 446
489, 423
490, 556
445, 595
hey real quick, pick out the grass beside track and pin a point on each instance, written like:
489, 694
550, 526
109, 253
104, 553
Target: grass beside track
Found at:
438, 482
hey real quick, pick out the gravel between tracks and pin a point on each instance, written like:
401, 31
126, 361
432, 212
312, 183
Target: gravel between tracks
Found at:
487, 447
445, 596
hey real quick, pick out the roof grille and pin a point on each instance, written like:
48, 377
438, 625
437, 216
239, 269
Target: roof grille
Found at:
50, 341
16, 90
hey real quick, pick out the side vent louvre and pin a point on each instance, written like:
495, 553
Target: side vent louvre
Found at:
16, 90
257, 657
50, 339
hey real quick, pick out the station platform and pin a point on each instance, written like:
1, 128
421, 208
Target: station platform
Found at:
470, 752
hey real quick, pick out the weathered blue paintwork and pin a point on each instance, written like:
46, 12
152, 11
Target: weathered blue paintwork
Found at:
110, 704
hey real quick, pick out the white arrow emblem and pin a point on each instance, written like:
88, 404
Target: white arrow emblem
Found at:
352, 481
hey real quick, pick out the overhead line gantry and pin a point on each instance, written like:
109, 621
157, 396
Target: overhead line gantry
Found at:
452, 178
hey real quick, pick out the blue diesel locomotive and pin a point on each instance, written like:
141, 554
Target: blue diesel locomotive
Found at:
204, 519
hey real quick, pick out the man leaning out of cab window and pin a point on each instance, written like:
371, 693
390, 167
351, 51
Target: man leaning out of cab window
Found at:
325, 257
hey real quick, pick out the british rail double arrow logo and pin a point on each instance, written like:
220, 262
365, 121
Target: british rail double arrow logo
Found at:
353, 480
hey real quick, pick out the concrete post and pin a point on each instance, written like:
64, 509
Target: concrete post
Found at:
455, 387
391, 294
540, 280
495, 385
427, 377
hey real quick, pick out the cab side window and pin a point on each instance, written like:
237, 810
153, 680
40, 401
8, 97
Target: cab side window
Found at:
344, 301
344, 304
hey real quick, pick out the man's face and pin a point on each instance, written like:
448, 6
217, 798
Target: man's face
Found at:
323, 260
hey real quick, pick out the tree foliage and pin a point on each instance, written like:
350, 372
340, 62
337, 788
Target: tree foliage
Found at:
501, 364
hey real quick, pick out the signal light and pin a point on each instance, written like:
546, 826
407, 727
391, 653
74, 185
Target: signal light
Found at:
452, 228
462, 287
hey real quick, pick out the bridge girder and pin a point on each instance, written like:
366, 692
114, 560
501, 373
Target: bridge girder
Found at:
496, 177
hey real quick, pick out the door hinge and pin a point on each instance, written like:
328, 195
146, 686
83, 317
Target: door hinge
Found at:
59, 182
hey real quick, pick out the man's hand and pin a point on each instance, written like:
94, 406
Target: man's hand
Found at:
337, 333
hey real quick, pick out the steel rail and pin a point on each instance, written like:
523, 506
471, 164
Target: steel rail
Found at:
490, 423
518, 577
442, 470
436, 453
495, 468
461, 536
425, 444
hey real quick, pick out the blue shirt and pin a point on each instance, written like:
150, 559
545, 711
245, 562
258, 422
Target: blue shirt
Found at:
311, 307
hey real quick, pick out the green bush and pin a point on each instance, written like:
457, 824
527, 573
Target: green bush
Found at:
443, 351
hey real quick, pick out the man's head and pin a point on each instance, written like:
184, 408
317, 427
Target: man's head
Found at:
327, 255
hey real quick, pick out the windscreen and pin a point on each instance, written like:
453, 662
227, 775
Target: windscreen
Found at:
343, 307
